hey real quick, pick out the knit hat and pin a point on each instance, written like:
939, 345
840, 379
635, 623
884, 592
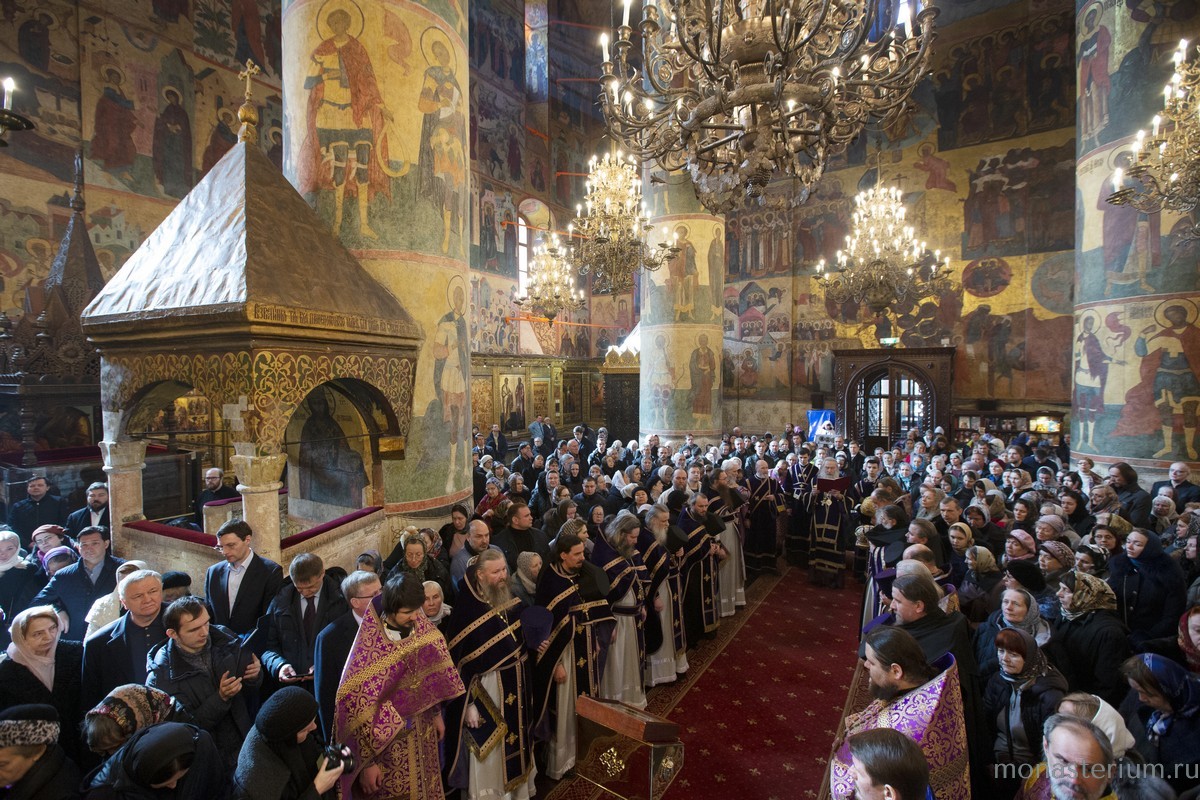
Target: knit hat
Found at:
1060, 552
32, 724
1026, 573
1024, 538
1053, 521
285, 714
573, 526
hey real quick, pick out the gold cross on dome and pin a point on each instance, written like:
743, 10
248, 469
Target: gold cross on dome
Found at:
247, 75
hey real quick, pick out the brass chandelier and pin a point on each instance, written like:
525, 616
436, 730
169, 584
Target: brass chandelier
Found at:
608, 239
550, 287
742, 92
883, 262
1164, 170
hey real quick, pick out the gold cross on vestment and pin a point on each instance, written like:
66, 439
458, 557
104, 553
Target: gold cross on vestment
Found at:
247, 75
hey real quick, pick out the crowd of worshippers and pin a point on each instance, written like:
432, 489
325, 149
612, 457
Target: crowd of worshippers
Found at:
1033, 624
452, 664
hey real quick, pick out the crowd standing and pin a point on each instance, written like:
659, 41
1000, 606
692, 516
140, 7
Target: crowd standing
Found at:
1033, 613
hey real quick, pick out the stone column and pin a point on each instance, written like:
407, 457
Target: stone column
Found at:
1136, 360
258, 481
375, 99
123, 463
681, 318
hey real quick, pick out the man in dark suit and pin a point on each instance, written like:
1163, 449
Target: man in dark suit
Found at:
298, 613
38, 508
75, 587
549, 437
93, 515
1184, 491
214, 489
240, 588
116, 654
334, 643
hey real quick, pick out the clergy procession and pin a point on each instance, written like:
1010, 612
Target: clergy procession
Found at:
1014, 632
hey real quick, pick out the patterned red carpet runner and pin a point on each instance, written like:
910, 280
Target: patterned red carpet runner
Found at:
761, 704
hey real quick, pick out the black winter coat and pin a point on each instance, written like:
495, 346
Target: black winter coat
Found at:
52, 777
18, 685
1180, 745
1150, 597
1038, 702
1089, 652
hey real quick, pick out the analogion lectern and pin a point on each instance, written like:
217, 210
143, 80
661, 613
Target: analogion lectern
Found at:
626, 751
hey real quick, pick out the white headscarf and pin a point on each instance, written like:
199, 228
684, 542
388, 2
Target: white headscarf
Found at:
21, 652
444, 611
15, 560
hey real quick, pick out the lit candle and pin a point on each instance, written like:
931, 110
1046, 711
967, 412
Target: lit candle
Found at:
625, 14
905, 16
1166, 94
1154, 123
604, 45
1117, 176
9, 85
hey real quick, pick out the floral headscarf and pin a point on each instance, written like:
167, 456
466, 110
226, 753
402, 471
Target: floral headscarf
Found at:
1090, 594
133, 707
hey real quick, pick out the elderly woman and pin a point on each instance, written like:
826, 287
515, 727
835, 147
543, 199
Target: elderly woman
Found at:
108, 608
1162, 712
1055, 559
125, 711
1019, 546
524, 581
1019, 610
1052, 528
930, 501
435, 608
1163, 517
419, 564
39, 668
979, 592
1092, 559
45, 539
20, 581
1089, 641
486, 509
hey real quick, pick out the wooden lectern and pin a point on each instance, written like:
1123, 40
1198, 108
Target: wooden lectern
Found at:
625, 751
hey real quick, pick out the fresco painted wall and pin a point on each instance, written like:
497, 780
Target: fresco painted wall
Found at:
149, 90
1136, 363
986, 163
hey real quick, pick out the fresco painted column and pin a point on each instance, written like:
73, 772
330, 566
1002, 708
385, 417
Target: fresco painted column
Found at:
1136, 352
375, 98
681, 317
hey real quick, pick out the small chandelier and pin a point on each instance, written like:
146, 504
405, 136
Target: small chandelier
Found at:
9, 119
608, 241
1164, 170
741, 93
883, 262
550, 288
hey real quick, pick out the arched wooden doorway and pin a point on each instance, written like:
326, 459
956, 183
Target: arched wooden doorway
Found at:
886, 393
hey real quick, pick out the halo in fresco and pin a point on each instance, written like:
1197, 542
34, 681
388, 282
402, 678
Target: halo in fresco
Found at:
1183, 302
429, 37
357, 20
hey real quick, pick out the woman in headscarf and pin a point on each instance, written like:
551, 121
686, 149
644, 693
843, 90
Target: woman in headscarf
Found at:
563, 510
419, 564
108, 608
1089, 641
1021, 695
1025, 514
524, 581
435, 608
167, 761
370, 561
486, 509
1055, 559
1184, 646
125, 711
998, 509
281, 758
595, 522
979, 593
1019, 610
961, 540
45, 539
1162, 712
59, 557
1149, 587
1092, 559
20, 581
1075, 507
38, 668
1019, 545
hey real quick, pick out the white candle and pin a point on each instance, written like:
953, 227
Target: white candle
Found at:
604, 45
625, 14
1117, 176
9, 85
1154, 124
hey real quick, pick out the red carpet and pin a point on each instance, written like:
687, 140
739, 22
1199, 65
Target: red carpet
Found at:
762, 702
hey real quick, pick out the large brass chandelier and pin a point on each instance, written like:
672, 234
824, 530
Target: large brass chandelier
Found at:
884, 263
1163, 171
608, 237
550, 286
742, 92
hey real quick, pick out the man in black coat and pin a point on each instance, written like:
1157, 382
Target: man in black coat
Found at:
299, 612
1182, 488
496, 445
214, 489
334, 643
94, 514
241, 588
520, 536
116, 654
75, 587
38, 508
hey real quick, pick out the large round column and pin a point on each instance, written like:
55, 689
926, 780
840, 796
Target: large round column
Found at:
682, 309
375, 98
1136, 364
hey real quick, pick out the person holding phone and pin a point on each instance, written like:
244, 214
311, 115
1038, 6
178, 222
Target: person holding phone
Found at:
207, 671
